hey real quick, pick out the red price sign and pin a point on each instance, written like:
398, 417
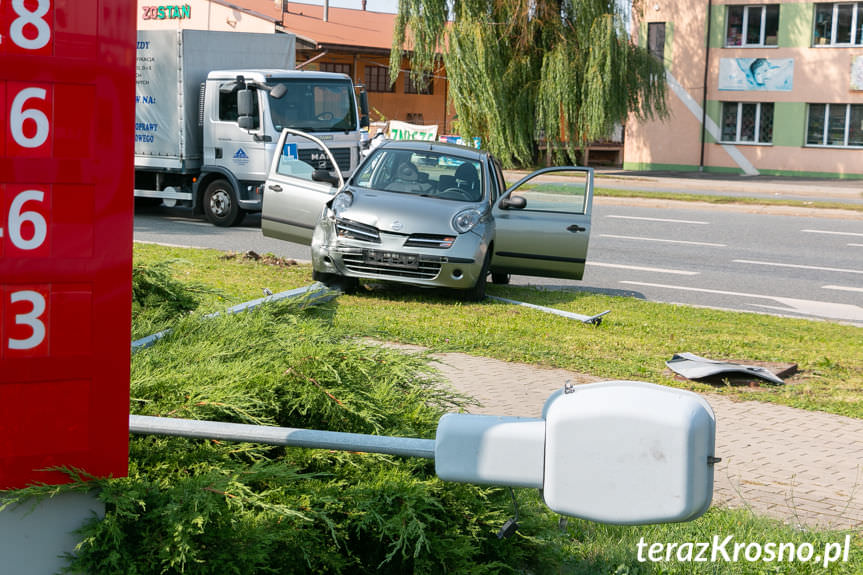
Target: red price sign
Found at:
66, 179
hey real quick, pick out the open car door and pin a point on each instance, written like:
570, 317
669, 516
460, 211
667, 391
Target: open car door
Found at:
295, 192
543, 224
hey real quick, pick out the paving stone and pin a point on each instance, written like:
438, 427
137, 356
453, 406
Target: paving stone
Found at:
798, 466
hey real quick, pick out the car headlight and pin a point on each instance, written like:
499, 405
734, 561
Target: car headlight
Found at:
466, 220
341, 202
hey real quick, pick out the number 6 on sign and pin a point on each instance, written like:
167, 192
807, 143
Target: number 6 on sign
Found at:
19, 115
30, 319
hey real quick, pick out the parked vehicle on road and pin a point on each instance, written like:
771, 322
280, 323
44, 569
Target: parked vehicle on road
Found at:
430, 214
210, 106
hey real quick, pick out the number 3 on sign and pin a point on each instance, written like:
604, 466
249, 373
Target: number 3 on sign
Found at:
29, 319
29, 28
24, 327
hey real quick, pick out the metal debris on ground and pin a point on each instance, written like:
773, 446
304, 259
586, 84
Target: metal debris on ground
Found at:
692, 366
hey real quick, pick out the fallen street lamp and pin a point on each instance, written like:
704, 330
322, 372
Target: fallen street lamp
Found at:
621, 452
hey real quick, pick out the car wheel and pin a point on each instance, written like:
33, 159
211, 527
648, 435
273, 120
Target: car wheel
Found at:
335, 281
477, 292
220, 204
499, 278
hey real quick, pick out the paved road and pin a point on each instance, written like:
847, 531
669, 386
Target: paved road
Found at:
724, 257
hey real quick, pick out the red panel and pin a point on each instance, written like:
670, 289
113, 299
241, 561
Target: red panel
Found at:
76, 29
73, 221
44, 418
66, 179
3, 129
75, 138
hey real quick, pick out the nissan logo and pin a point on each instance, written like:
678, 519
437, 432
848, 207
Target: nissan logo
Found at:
396, 225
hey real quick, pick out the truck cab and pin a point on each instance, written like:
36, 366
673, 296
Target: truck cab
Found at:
243, 114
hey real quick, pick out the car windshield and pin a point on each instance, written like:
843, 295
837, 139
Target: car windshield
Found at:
432, 174
314, 106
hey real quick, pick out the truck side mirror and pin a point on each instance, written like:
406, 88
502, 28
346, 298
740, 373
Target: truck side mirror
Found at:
364, 109
246, 109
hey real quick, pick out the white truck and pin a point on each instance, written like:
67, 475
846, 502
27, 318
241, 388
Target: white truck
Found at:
209, 109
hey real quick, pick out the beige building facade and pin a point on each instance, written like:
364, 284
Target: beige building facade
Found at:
774, 88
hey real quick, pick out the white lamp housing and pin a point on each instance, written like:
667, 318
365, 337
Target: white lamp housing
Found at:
624, 452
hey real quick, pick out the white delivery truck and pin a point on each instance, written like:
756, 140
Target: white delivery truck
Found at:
209, 109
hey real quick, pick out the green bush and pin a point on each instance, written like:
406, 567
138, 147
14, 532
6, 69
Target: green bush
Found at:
215, 507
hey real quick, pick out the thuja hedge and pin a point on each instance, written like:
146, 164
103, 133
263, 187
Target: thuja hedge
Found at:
196, 506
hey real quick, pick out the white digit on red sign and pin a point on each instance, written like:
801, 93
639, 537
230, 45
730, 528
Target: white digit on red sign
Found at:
18, 217
19, 115
30, 319
33, 18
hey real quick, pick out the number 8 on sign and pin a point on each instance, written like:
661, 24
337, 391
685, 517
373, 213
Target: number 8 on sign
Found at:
29, 26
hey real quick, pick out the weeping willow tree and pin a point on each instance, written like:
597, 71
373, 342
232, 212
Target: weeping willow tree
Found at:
522, 69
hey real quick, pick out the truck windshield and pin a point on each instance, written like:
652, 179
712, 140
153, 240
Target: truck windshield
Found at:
315, 106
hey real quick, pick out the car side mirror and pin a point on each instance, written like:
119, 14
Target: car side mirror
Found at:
513, 203
325, 176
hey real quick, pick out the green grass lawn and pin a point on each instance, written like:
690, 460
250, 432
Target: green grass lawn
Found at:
633, 341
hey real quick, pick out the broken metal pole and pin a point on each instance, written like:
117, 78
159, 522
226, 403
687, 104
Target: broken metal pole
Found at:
591, 319
286, 436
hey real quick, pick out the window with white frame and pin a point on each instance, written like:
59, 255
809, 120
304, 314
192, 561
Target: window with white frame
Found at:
747, 122
838, 24
838, 125
752, 25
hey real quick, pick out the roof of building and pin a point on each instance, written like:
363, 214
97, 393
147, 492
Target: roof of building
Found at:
344, 28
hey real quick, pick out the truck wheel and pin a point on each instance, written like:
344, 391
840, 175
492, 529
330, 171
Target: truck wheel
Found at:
220, 204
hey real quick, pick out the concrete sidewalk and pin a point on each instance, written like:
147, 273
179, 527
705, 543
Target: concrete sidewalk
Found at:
801, 467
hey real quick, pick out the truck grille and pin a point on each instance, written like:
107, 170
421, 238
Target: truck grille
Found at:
316, 158
356, 263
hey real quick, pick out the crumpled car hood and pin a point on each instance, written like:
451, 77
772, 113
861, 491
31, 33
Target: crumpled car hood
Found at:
404, 213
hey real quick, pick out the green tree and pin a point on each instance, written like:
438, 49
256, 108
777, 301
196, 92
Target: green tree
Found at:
520, 68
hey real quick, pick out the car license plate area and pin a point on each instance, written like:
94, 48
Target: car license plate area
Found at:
391, 259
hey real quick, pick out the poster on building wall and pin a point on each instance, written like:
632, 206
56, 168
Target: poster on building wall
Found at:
857, 73
756, 74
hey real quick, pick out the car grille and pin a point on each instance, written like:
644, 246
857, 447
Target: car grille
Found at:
356, 263
429, 241
317, 158
357, 231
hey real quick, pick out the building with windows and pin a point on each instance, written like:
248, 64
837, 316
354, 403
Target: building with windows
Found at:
355, 42
773, 88
358, 43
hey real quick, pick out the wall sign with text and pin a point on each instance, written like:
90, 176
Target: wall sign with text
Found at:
67, 72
